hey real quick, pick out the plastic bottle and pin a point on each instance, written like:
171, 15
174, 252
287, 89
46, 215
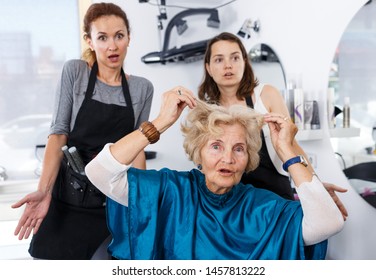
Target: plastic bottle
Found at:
289, 98
299, 108
331, 115
346, 112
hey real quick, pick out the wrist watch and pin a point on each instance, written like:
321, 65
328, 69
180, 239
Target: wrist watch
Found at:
291, 161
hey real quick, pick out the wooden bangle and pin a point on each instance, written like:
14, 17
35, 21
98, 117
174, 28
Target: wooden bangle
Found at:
150, 131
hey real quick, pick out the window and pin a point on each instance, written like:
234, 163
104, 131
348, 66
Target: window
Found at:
36, 38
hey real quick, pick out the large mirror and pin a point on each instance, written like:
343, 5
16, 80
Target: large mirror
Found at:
267, 67
353, 75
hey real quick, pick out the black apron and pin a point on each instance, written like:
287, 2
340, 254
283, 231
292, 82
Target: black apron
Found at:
75, 224
266, 176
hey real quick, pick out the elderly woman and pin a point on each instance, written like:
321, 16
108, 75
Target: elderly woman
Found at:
206, 213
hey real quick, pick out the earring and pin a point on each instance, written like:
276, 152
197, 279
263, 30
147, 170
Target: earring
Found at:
199, 166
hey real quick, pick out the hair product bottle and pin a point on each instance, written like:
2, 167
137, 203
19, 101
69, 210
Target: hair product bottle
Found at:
308, 112
346, 112
299, 108
330, 103
315, 123
290, 98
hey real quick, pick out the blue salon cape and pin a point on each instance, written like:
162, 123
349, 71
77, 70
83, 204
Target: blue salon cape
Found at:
172, 215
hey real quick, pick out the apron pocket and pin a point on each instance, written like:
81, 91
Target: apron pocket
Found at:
76, 189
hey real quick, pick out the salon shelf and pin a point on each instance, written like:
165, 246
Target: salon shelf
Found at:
344, 132
317, 134
307, 135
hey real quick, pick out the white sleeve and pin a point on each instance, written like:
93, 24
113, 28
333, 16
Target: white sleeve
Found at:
109, 176
322, 218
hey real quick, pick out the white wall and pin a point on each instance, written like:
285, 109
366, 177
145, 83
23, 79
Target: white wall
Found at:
304, 34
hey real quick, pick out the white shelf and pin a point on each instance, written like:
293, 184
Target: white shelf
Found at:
317, 134
344, 132
309, 134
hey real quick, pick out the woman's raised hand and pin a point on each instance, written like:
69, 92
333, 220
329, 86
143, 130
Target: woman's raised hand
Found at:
174, 102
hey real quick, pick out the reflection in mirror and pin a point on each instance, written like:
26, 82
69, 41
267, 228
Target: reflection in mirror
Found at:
267, 67
353, 75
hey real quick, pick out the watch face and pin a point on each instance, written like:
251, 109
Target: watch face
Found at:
303, 161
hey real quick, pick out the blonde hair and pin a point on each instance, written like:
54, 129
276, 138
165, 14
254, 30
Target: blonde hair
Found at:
203, 121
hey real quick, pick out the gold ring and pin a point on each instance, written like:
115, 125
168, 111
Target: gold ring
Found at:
179, 92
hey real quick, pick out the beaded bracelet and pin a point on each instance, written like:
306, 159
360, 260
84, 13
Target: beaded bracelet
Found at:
150, 131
